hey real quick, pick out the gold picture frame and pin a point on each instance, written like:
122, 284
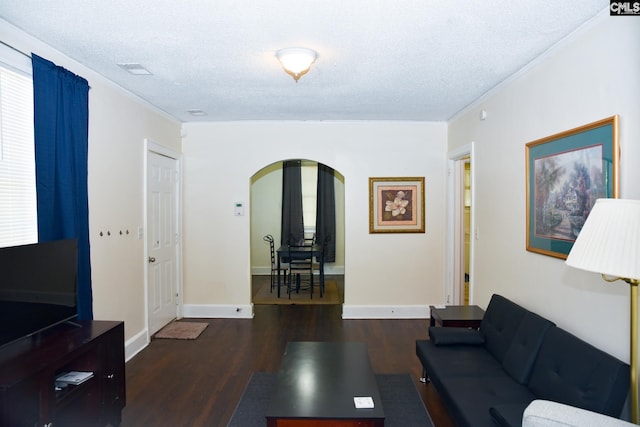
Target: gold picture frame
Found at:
566, 173
396, 205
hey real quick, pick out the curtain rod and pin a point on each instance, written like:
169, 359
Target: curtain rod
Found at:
16, 49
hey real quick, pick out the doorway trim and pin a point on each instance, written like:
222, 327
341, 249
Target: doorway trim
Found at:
153, 147
455, 226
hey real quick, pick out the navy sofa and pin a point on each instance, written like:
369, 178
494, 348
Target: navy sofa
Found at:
487, 377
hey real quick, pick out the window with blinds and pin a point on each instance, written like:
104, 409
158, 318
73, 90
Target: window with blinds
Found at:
18, 214
309, 177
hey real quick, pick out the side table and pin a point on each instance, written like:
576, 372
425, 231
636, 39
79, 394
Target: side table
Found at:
461, 316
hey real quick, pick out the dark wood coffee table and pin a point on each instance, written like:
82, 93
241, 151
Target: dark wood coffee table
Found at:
317, 383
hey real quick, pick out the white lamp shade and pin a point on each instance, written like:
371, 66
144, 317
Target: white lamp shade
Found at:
609, 242
296, 60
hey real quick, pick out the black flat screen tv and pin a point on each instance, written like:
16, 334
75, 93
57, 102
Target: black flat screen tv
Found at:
37, 287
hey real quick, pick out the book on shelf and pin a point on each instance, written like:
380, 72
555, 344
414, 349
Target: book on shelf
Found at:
73, 378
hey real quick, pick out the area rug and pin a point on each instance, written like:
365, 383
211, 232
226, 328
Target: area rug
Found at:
182, 330
330, 295
403, 406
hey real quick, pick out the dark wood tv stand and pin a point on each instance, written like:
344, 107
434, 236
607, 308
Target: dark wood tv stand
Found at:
29, 367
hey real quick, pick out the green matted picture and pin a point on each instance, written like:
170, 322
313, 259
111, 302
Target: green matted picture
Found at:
566, 173
396, 205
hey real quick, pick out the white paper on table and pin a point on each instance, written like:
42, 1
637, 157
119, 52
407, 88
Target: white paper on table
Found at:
363, 402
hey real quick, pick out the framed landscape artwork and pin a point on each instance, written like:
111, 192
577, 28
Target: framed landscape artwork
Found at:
566, 173
396, 205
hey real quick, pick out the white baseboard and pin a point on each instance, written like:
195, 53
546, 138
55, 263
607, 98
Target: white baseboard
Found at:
348, 311
135, 345
260, 271
221, 311
385, 312
334, 269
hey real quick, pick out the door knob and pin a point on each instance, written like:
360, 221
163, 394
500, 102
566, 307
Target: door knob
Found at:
152, 259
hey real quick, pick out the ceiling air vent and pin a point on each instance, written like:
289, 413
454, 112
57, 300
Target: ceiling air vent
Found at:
135, 69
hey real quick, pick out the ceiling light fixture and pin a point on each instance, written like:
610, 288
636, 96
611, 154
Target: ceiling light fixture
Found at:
296, 61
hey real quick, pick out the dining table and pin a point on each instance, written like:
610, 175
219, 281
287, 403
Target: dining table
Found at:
287, 252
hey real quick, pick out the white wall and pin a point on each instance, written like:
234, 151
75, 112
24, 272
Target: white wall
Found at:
265, 210
591, 76
386, 275
118, 125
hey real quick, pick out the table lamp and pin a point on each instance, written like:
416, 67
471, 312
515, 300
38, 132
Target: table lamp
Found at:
609, 244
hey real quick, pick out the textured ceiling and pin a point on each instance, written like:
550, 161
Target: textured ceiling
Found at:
378, 60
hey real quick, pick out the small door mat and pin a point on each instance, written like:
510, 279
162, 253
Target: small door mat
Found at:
182, 330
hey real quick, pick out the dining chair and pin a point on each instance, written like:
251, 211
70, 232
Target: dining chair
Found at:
297, 267
318, 265
274, 264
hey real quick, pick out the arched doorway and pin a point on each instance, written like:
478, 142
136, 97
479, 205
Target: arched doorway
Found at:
266, 209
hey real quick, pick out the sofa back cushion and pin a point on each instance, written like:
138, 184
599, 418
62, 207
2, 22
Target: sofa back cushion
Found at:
571, 371
522, 353
499, 325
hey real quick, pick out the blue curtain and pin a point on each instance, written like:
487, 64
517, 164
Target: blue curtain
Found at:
61, 129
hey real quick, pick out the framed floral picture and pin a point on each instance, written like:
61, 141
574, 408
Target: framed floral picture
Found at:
566, 173
396, 205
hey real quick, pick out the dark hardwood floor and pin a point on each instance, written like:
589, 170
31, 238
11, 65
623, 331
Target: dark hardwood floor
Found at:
258, 282
199, 382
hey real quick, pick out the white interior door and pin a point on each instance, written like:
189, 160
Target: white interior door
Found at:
162, 240
460, 227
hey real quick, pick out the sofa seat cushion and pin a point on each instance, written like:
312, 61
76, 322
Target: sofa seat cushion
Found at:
456, 360
471, 397
571, 371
